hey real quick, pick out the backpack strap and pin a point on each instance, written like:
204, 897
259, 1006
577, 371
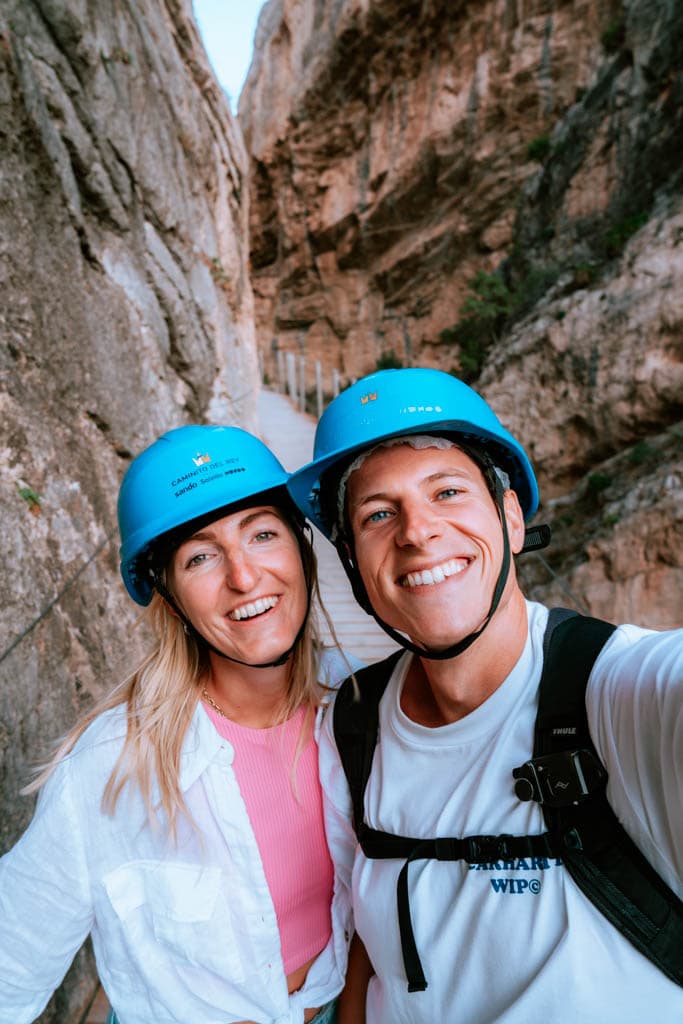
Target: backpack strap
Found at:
571, 644
356, 724
598, 853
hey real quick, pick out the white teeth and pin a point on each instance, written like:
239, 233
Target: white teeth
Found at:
437, 574
248, 611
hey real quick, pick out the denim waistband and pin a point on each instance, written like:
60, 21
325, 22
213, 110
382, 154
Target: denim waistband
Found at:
326, 1015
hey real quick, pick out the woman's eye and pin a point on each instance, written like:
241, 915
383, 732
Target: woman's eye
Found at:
264, 535
197, 559
448, 492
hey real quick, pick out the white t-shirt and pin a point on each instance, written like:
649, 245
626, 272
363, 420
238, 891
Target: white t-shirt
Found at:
515, 944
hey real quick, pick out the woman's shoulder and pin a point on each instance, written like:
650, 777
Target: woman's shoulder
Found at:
81, 773
104, 736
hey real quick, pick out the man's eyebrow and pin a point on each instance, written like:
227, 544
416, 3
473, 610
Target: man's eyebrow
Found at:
380, 496
430, 479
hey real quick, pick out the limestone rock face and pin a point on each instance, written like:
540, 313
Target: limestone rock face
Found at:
126, 310
399, 149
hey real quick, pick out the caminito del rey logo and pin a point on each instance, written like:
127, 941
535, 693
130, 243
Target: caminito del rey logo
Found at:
205, 471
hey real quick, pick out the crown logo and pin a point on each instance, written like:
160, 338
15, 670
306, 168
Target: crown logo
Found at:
200, 459
370, 397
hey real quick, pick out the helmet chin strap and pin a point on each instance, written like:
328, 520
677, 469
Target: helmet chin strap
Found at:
347, 556
201, 640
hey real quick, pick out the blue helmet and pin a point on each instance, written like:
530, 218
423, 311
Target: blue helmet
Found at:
185, 475
392, 403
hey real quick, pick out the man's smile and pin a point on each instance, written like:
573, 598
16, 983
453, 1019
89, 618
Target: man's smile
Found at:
436, 574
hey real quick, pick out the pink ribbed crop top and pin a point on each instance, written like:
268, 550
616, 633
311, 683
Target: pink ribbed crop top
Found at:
289, 829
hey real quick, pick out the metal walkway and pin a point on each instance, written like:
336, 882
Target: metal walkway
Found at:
290, 435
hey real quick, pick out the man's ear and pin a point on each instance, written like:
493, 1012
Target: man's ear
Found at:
344, 549
514, 517
349, 553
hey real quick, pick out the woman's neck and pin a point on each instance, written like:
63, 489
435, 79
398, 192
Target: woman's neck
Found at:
249, 696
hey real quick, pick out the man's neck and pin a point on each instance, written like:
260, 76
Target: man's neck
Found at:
436, 693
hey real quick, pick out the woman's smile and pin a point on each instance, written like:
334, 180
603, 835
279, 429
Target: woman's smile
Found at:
253, 609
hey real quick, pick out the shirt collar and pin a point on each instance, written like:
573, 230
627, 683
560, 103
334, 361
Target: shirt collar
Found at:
201, 745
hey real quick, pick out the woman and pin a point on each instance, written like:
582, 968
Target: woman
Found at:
180, 822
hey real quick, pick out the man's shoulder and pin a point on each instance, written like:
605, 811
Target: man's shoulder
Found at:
639, 651
335, 665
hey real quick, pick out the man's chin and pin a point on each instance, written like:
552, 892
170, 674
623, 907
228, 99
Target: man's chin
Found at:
440, 641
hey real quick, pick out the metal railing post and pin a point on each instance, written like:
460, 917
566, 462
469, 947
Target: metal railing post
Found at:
291, 376
281, 371
318, 388
302, 383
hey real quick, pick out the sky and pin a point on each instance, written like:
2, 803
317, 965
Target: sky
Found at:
227, 28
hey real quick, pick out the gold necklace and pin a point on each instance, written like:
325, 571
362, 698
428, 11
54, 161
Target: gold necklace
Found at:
212, 702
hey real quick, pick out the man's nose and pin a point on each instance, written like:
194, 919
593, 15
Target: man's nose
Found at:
417, 525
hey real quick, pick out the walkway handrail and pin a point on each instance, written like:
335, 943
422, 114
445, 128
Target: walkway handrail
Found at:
292, 376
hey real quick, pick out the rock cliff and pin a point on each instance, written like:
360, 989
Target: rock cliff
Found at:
494, 188
126, 310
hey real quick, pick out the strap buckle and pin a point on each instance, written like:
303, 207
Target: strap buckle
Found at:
486, 849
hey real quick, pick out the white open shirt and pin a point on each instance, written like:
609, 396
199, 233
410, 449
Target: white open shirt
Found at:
183, 934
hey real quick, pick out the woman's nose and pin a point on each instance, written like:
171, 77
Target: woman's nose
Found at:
240, 572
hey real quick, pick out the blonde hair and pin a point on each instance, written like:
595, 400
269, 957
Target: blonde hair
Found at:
161, 696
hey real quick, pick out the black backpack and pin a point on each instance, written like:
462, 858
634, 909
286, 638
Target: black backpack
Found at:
564, 775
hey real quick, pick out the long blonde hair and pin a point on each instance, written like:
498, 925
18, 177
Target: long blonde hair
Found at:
161, 696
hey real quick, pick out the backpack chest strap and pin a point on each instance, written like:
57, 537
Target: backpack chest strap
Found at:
472, 849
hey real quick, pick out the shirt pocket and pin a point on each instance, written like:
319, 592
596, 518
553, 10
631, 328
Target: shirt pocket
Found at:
179, 909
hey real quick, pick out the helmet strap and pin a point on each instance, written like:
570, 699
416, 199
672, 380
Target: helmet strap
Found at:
347, 556
201, 641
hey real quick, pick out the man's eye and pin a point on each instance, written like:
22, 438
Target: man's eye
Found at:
376, 517
448, 492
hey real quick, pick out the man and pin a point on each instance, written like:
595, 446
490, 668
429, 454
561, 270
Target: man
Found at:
425, 495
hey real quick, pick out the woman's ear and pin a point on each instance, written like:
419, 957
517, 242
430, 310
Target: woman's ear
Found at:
169, 608
514, 517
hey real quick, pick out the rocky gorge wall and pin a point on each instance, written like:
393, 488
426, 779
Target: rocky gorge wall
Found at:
126, 310
494, 188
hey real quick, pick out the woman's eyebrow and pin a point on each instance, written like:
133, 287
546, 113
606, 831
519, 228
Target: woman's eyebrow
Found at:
200, 535
256, 514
